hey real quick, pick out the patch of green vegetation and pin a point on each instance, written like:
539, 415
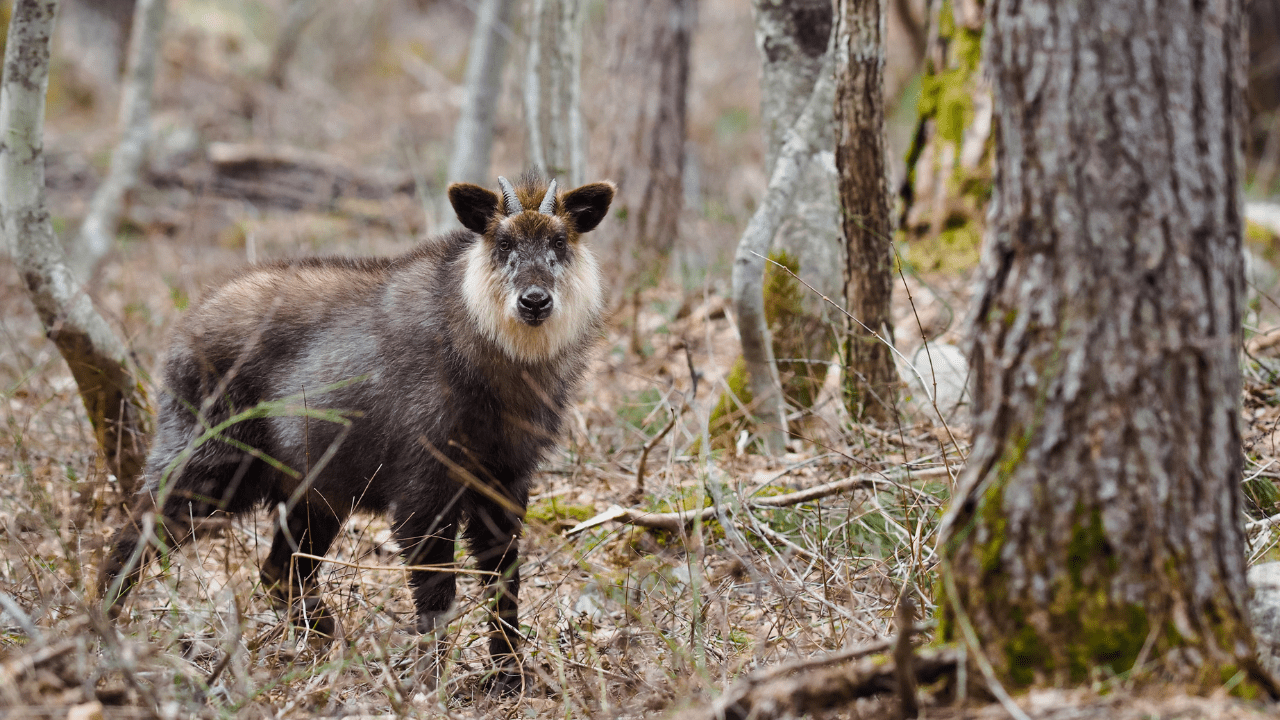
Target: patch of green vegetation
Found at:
732, 123
946, 94
797, 338
729, 416
179, 296
552, 511
639, 411
1262, 497
1026, 652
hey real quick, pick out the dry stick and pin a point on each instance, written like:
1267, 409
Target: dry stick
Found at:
904, 666
676, 521
649, 446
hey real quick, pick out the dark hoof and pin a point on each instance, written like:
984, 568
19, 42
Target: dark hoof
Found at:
504, 682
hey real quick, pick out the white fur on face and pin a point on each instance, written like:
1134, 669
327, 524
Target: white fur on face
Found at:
576, 301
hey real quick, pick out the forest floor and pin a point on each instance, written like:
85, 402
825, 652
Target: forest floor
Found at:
619, 621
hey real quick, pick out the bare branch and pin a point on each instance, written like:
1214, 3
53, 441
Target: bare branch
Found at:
115, 402
97, 232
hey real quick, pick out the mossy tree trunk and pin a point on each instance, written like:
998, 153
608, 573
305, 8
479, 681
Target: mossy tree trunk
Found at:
1097, 525
872, 378
793, 39
116, 403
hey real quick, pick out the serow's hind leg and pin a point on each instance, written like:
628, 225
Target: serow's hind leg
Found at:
430, 543
493, 535
191, 498
289, 574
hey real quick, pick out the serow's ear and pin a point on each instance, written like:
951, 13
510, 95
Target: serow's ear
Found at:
588, 204
473, 204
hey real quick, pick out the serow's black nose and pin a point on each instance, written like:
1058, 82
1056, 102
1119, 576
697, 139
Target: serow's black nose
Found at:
535, 300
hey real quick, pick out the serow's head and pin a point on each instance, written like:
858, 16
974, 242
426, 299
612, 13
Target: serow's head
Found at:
531, 283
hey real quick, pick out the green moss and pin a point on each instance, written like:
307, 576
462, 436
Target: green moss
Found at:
947, 94
1088, 543
1262, 498
1026, 653
551, 511
727, 417
797, 337
639, 411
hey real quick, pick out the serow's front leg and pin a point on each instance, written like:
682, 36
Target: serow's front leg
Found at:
493, 535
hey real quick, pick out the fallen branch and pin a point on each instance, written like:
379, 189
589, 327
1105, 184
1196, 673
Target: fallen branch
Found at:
818, 684
677, 521
287, 178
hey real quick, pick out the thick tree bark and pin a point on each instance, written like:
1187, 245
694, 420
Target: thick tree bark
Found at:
98, 231
554, 137
115, 401
1097, 524
648, 65
793, 38
871, 376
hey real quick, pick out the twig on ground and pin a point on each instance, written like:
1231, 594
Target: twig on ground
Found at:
649, 446
676, 521
904, 664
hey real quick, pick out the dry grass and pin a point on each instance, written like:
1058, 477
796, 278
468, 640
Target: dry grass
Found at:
619, 621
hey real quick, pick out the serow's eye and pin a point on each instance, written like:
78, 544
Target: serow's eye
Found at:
504, 246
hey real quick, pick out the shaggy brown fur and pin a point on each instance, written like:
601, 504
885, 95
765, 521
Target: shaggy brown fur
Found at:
452, 366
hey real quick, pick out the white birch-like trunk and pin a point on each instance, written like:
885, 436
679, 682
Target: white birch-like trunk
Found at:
554, 139
749, 264
793, 39
473, 135
114, 400
98, 230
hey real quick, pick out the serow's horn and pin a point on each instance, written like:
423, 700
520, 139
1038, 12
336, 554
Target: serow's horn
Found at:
510, 203
548, 206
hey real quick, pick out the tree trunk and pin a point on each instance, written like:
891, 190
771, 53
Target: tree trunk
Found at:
552, 90
296, 17
1098, 521
98, 231
473, 135
648, 65
749, 262
871, 377
115, 401
793, 39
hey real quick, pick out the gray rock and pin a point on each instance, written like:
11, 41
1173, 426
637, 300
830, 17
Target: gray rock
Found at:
1265, 610
941, 372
